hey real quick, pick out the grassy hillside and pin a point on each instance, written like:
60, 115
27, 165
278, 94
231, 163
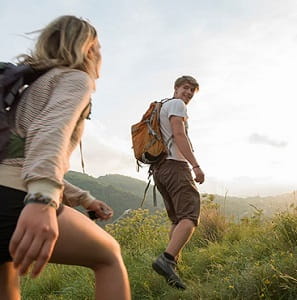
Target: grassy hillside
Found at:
241, 249
251, 259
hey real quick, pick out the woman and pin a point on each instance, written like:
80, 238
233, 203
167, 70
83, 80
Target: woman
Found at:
35, 227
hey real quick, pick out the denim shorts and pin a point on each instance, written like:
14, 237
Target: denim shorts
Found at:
175, 183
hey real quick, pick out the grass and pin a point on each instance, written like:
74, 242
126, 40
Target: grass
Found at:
60, 282
251, 259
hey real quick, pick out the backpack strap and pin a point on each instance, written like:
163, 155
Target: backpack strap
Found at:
81, 157
86, 114
166, 99
155, 195
145, 191
168, 143
150, 172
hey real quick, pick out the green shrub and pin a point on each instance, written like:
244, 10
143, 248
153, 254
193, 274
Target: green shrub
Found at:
285, 227
141, 232
212, 226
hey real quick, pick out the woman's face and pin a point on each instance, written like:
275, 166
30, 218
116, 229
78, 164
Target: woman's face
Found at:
95, 56
99, 58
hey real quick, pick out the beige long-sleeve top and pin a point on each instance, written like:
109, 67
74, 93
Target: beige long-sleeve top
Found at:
50, 116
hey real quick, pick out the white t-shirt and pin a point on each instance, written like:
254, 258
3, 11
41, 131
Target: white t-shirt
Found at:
173, 107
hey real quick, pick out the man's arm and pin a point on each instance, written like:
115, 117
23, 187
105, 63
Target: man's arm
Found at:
183, 144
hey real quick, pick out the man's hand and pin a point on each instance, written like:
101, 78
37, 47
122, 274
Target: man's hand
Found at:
34, 238
102, 210
199, 175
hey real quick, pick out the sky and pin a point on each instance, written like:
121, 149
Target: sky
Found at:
243, 54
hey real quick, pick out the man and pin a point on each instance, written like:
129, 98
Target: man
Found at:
174, 180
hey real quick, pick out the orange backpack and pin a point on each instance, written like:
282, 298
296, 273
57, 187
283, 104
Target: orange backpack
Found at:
147, 142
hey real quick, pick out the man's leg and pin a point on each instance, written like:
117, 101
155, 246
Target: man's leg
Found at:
181, 198
165, 264
9, 282
179, 236
171, 231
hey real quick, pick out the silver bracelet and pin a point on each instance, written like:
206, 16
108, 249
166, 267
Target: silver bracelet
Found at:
41, 199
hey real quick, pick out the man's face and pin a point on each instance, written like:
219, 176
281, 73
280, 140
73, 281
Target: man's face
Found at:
185, 92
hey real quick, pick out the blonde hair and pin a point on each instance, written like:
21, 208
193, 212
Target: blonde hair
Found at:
186, 79
65, 42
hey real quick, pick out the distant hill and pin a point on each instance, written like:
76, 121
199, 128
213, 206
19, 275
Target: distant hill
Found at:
123, 192
245, 207
118, 191
133, 185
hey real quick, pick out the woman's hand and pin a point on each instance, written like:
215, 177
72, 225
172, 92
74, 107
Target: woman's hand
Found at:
102, 210
34, 238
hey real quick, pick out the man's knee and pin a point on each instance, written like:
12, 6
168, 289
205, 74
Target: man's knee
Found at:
190, 222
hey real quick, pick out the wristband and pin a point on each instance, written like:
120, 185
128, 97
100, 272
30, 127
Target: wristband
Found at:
41, 199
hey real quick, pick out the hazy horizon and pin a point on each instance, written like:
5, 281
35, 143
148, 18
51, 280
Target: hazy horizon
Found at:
221, 192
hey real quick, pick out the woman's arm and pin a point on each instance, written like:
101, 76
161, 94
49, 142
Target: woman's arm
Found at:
74, 196
48, 147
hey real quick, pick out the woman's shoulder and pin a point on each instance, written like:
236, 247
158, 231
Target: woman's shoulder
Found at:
60, 81
65, 74
67, 77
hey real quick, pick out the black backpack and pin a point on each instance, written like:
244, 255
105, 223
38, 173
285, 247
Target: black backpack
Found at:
14, 79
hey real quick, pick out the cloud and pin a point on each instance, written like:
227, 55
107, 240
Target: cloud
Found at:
265, 140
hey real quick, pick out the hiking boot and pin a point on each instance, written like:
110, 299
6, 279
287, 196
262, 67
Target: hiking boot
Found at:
166, 268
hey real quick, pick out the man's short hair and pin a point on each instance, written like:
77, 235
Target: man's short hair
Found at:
186, 79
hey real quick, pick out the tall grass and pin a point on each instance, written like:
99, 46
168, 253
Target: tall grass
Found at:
59, 282
251, 259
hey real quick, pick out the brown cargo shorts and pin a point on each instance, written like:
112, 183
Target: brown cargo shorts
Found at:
175, 183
